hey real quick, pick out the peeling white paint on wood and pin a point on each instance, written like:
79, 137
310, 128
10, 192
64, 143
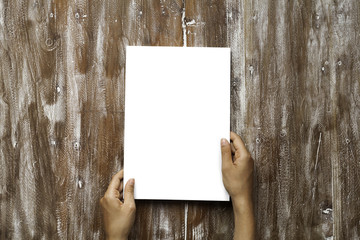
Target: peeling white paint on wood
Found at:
294, 89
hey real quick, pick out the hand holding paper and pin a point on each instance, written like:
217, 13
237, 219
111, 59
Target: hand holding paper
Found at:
118, 216
237, 171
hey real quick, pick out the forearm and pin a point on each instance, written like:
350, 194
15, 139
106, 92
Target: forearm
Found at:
244, 219
116, 238
111, 238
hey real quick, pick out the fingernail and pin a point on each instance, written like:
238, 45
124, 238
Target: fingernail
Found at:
223, 142
131, 181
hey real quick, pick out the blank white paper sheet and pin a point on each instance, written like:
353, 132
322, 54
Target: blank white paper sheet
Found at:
177, 109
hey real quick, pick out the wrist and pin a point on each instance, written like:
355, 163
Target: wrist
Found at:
116, 238
242, 204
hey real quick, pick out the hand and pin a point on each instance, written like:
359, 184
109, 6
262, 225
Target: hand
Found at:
237, 170
237, 174
118, 216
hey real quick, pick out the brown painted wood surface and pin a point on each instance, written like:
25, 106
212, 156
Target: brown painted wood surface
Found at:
295, 99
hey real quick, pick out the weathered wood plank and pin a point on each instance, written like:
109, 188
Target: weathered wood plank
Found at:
28, 67
62, 111
287, 120
345, 81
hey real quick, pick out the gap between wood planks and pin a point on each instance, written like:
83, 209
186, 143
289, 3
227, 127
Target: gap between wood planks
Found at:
184, 34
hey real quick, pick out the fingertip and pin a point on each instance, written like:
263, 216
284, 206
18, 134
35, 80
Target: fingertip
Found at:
233, 135
131, 181
130, 185
129, 191
224, 142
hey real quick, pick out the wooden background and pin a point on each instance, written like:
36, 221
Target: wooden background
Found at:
295, 91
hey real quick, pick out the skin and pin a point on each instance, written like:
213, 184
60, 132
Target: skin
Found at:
119, 216
237, 171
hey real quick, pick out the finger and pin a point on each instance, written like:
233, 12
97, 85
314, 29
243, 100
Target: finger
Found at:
117, 194
225, 153
238, 143
129, 192
115, 184
121, 186
232, 148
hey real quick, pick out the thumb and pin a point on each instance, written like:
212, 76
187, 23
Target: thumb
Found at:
129, 192
225, 153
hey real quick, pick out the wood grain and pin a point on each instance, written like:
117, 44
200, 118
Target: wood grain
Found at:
294, 99
345, 80
62, 108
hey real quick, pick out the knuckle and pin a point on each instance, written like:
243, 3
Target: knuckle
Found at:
131, 207
106, 198
102, 201
247, 156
